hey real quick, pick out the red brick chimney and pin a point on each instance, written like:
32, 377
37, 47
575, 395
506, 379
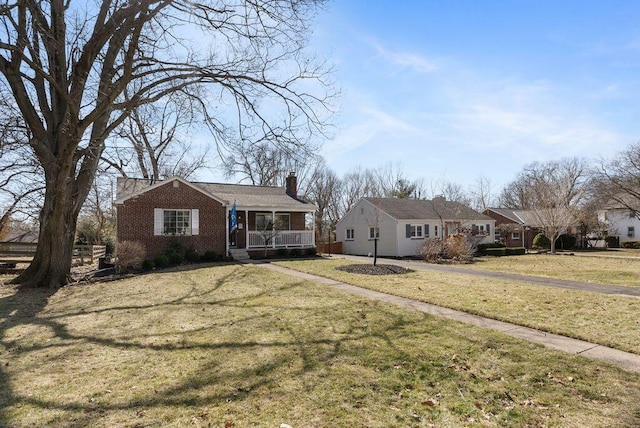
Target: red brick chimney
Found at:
292, 185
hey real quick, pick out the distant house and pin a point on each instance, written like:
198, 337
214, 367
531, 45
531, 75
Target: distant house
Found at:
517, 228
198, 215
620, 221
403, 225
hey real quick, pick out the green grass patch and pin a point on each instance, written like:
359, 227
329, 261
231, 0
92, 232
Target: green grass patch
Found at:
599, 318
235, 346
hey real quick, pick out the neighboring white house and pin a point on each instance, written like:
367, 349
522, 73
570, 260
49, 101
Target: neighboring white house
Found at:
621, 222
403, 225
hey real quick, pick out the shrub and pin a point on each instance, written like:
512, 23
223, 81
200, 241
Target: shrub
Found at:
481, 249
148, 264
458, 247
496, 252
161, 261
432, 249
515, 251
175, 252
209, 256
541, 241
566, 242
631, 244
282, 252
131, 254
312, 251
110, 247
295, 252
612, 241
192, 255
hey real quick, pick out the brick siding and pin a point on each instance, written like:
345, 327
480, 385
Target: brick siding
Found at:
136, 219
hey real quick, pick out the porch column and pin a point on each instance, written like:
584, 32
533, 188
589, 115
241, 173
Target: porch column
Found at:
246, 229
313, 222
273, 228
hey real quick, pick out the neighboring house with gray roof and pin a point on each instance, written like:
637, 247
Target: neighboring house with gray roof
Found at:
517, 228
403, 225
198, 214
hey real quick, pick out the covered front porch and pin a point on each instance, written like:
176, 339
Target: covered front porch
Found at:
260, 229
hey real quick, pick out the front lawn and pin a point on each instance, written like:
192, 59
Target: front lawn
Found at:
235, 346
594, 267
599, 318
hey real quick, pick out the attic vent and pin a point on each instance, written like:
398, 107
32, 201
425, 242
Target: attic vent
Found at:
176, 184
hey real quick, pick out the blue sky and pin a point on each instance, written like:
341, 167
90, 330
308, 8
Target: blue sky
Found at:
455, 90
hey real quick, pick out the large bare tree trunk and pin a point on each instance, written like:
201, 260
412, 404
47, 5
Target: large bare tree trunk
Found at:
51, 264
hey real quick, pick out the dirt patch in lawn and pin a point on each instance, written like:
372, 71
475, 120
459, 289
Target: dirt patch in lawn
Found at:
374, 270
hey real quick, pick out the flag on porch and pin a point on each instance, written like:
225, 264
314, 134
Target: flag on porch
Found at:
234, 217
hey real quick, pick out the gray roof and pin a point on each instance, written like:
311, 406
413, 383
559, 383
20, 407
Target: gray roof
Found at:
508, 213
523, 217
245, 196
420, 209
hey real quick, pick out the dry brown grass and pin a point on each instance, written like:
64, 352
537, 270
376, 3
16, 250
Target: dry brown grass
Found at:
597, 267
236, 346
604, 319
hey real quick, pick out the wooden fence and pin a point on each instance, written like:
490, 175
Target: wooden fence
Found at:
23, 252
336, 248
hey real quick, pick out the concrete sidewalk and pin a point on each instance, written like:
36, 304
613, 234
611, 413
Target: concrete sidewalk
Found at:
624, 360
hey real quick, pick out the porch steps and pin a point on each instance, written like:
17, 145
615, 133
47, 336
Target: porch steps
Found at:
239, 254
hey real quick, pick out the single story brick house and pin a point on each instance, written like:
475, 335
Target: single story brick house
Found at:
199, 215
401, 226
517, 228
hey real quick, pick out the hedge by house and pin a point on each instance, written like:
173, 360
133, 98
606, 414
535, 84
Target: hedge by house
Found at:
504, 251
481, 249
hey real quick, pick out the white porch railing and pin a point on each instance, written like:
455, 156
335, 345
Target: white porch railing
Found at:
281, 239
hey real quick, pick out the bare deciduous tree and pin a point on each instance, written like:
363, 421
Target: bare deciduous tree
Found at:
69, 65
155, 141
554, 192
264, 164
619, 179
324, 191
482, 194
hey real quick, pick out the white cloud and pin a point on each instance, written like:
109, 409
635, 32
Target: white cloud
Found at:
404, 60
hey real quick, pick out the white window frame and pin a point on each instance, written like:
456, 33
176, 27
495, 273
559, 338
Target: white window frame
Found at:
349, 234
374, 232
515, 234
268, 217
192, 226
631, 232
417, 231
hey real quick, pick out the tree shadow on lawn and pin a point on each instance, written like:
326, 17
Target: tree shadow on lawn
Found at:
231, 347
19, 306
287, 352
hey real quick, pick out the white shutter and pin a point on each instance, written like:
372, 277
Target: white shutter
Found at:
158, 221
195, 222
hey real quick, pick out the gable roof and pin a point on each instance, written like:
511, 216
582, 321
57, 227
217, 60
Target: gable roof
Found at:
507, 213
245, 196
522, 217
420, 209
